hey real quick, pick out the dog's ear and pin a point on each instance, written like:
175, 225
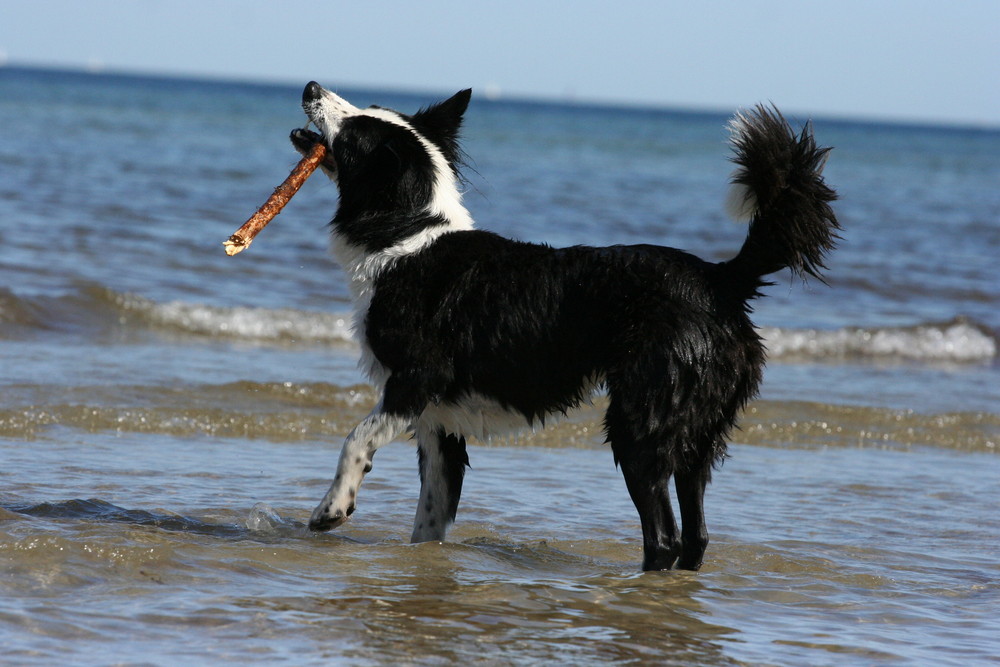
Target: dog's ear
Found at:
450, 110
441, 122
459, 102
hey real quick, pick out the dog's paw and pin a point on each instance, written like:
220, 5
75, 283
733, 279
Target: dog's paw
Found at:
304, 139
325, 517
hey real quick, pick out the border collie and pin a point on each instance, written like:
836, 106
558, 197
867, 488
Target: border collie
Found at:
467, 333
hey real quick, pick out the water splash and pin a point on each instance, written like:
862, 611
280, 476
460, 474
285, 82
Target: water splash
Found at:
263, 519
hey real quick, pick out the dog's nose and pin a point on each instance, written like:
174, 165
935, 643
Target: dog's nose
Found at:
311, 92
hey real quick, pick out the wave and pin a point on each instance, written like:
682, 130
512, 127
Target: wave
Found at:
290, 412
282, 411
94, 509
959, 340
260, 325
810, 424
261, 522
98, 308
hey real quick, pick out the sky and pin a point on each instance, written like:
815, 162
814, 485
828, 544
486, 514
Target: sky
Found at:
907, 60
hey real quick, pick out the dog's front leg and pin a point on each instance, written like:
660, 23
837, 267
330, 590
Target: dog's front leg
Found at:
377, 429
443, 459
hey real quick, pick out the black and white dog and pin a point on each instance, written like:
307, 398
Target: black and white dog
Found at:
467, 333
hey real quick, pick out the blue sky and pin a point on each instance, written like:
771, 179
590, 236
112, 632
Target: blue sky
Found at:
911, 60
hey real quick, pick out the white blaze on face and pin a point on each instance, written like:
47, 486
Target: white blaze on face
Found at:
328, 112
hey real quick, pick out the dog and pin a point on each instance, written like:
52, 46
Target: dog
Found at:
470, 334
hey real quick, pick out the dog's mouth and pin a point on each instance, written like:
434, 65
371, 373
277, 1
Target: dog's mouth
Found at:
304, 139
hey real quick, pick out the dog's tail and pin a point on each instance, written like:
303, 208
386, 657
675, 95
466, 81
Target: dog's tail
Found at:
778, 185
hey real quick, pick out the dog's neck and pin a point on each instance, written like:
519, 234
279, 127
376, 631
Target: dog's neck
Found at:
444, 213
364, 266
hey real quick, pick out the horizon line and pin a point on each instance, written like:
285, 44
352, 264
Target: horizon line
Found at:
492, 94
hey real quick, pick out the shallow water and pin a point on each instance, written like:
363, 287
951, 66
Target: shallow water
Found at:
819, 555
169, 416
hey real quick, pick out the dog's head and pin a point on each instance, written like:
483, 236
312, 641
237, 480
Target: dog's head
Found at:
385, 162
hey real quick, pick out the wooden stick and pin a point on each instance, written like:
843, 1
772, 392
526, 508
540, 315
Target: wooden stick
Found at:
241, 239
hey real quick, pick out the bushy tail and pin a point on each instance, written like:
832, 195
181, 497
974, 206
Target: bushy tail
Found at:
779, 186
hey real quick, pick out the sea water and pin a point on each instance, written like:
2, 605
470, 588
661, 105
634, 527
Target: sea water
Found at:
169, 415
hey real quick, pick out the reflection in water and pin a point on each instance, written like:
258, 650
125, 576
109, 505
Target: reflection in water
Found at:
463, 603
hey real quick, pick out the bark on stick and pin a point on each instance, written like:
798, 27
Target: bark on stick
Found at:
243, 236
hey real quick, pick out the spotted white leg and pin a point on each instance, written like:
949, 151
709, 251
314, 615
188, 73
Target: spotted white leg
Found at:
377, 429
443, 459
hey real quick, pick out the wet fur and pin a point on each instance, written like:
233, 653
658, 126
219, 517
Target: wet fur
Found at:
470, 334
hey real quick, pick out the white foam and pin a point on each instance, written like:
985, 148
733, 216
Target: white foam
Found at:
957, 340
239, 322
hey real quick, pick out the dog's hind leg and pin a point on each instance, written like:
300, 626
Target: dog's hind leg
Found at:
648, 482
443, 459
646, 465
377, 429
647, 476
690, 485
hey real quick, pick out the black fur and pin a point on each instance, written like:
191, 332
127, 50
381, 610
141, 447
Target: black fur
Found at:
472, 315
794, 226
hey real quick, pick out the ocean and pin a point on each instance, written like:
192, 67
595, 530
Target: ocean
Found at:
169, 416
